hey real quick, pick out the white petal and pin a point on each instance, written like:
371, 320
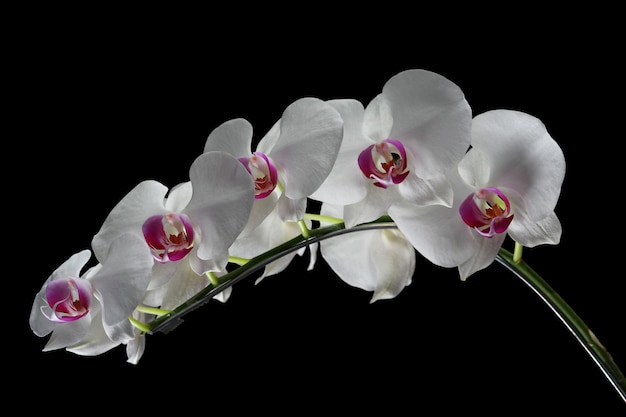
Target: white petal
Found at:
530, 233
437, 232
267, 143
66, 334
161, 274
143, 201
430, 117
233, 137
486, 251
291, 209
179, 197
121, 283
384, 263
269, 233
121, 332
261, 208
374, 205
135, 349
95, 342
522, 156
377, 120
39, 323
436, 190
184, 284
311, 131
474, 168
346, 184
202, 266
223, 194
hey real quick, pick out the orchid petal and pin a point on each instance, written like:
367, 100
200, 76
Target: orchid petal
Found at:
233, 137
136, 346
437, 232
162, 273
69, 333
123, 279
384, 263
143, 201
377, 119
121, 332
179, 197
313, 249
374, 205
183, 285
135, 349
522, 156
291, 210
39, 323
202, 266
430, 117
267, 142
95, 341
310, 136
223, 194
474, 168
436, 190
346, 184
486, 252
261, 208
531, 233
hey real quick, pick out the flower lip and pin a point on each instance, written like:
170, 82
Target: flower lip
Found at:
384, 163
170, 236
263, 171
488, 211
69, 299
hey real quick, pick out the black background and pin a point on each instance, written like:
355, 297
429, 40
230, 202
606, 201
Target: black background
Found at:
99, 107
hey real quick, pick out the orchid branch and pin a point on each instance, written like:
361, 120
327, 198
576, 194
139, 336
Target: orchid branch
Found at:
587, 339
512, 261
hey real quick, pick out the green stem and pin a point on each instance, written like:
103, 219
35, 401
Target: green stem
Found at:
512, 262
238, 260
152, 310
583, 334
141, 326
306, 233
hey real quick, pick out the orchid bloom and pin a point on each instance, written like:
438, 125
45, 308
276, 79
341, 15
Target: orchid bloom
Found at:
399, 147
508, 183
294, 157
384, 263
197, 222
89, 312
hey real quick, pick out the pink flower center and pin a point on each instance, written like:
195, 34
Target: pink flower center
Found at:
384, 163
488, 211
68, 298
264, 172
170, 236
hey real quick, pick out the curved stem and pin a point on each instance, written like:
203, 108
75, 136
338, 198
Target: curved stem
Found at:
598, 353
518, 267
